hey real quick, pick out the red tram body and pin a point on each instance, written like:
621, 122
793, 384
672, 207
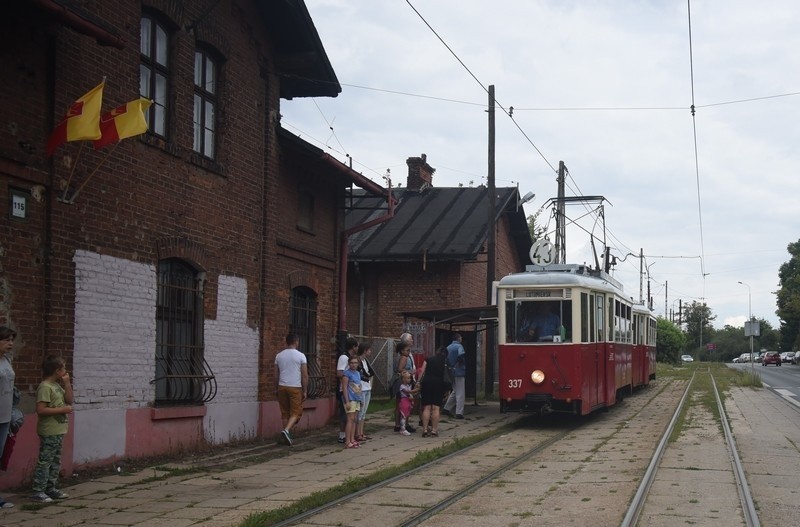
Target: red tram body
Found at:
570, 341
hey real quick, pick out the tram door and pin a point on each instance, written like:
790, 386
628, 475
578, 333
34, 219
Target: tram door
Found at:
599, 337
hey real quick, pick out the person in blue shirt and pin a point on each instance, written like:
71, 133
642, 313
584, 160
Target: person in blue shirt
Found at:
540, 326
456, 361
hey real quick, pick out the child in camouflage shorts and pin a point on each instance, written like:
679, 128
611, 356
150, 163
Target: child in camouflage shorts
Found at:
53, 403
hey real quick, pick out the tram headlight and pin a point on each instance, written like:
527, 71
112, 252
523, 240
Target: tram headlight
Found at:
537, 376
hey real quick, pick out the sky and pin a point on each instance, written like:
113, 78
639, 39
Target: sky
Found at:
607, 87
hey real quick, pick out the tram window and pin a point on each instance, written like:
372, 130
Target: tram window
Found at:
601, 317
585, 317
543, 321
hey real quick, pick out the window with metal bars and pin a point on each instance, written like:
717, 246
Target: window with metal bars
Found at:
182, 375
303, 322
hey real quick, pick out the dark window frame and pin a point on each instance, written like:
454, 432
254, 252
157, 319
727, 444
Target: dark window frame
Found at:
158, 114
182, 375
206, 96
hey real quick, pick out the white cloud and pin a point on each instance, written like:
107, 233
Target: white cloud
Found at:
590, 54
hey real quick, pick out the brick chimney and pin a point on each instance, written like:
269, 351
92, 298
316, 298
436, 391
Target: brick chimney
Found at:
420, 173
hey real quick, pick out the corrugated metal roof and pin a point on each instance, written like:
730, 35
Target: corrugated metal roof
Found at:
435, 224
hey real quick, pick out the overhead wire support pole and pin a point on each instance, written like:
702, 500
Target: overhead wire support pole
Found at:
561, 226
490, 247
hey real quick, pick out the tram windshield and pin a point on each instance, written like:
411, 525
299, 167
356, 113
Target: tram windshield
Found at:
538, 320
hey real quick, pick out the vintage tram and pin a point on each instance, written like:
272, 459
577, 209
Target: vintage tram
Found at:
570, 340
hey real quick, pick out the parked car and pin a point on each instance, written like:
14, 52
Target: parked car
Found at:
686, 358
787, 356
771, 357
796, 358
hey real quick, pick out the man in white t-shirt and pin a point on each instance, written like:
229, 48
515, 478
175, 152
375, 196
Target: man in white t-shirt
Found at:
292, 385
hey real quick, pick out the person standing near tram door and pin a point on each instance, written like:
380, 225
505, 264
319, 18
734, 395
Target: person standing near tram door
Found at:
456, 361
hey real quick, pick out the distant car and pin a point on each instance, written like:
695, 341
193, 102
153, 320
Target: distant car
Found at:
796, 358
787, 356
686, 358
771, 357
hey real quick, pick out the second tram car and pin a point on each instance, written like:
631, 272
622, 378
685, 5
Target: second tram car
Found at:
570, 340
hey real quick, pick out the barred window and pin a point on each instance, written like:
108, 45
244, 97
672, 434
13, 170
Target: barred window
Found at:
154, 72
205, 103
303, 322
182, 374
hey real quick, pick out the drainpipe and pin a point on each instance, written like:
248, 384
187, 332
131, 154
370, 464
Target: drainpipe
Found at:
374, 188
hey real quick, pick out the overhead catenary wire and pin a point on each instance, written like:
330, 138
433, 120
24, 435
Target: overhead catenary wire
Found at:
694, 136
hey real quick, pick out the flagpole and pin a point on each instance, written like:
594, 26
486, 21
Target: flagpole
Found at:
71, 201
71, 172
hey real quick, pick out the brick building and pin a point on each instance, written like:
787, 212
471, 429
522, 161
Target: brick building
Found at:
167, 269
432, 256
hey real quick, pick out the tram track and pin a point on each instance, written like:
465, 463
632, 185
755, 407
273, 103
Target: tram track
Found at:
448, 483
660, 508
587, 470
442, 465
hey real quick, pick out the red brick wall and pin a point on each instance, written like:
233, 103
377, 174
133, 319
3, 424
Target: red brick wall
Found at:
389, 288
147, 193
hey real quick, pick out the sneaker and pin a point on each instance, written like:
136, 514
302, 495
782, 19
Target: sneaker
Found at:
6, 504
287, 439
57, 494
342, 440
41, 497
459, 416
405, 433
411, 429
446, 412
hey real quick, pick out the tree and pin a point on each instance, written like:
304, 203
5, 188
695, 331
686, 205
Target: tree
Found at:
670, 341
536, 232
789, 299
699, 329
730, 342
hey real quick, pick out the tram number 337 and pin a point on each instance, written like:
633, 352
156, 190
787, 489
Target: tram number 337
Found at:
514, 383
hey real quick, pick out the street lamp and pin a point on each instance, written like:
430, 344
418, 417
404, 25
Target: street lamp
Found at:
750, 320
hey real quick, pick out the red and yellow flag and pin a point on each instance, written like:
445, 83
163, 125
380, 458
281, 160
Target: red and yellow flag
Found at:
123, 121
81, 122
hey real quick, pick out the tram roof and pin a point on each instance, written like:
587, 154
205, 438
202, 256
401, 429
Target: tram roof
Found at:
565, 275
457, 316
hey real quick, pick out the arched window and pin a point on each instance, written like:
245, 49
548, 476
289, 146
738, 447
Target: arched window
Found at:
182, 374
303, 322
154, 72
304, 319
206, 72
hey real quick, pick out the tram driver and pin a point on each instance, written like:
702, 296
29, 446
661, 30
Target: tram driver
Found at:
541, 324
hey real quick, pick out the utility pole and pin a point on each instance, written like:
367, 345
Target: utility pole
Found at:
490, 251
561, 226
641, 274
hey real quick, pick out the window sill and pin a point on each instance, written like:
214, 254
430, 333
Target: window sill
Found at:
157, 142
177, 412
206, 163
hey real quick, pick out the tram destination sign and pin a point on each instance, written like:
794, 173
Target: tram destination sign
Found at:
543, 293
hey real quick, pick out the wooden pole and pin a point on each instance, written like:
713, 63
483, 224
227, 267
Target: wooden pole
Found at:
490, 249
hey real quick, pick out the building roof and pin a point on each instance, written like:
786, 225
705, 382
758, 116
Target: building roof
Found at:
436, 224
301, 59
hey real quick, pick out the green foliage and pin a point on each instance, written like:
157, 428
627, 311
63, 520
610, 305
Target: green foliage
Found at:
699, 327
788, 299
670, 341
536, 232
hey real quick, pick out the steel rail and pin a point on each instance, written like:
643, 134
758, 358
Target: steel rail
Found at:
637, 504
443, 504
349, 497
748, 507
